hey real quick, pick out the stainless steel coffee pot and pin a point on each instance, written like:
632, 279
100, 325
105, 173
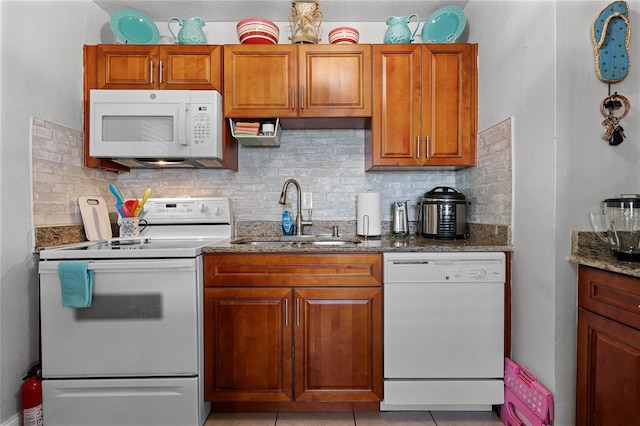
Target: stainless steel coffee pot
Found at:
400, 219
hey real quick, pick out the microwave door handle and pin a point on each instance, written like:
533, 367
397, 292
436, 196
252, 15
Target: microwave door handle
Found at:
182, 137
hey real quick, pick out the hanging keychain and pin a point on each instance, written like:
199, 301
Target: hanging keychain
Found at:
614, 133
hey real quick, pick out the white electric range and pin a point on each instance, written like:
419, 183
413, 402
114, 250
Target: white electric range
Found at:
135, 355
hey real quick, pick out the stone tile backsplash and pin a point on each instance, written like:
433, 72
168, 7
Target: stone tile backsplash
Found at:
489, 186
59, 176
328, 163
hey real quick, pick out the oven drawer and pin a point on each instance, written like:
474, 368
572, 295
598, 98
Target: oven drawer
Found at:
121, 402
143, 321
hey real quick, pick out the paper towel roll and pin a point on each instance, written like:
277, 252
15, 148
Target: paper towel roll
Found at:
368, 214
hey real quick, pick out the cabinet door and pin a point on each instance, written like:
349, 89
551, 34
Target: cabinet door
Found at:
334, 80
260, 81
248, 340
338, 344
608, 374
449, 104
190, 67
126, 66
395, 127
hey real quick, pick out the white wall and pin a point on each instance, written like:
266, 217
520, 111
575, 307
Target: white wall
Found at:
537, 65
41, 45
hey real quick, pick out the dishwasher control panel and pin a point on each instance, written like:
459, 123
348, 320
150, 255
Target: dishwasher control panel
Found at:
474, 273
444, 267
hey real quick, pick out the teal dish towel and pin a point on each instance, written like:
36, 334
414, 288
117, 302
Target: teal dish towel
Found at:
76, 281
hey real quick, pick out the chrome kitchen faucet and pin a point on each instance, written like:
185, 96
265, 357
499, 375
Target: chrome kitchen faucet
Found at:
300, 222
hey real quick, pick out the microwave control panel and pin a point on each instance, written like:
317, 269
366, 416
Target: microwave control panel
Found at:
201, 122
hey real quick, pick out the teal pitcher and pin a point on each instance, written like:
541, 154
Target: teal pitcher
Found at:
399, 31
191, 31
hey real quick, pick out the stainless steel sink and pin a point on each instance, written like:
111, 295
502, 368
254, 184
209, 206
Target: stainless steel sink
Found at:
297, 241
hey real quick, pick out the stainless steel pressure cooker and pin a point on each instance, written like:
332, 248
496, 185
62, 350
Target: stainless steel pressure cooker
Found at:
443, 214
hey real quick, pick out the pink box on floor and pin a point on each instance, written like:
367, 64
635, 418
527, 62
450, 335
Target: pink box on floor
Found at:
524, 398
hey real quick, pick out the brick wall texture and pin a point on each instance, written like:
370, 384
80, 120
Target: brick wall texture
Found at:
327, 163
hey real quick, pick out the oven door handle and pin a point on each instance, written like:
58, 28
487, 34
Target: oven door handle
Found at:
130, 265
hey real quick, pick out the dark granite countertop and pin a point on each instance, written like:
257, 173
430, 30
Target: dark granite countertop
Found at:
483, 238
588, 250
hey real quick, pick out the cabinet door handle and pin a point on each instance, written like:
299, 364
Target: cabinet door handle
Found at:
418, 153
151, 71
426, 146
160, 73
302, 98
286, 312
293, 97
297, 312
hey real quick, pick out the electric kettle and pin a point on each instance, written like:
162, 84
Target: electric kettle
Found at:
400, 219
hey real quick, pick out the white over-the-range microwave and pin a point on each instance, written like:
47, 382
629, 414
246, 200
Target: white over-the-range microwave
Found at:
157, 128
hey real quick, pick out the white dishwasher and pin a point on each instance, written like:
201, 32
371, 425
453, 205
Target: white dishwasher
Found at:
443, 330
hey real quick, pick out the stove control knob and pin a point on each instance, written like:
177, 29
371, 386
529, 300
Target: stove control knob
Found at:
218, 211
203, 207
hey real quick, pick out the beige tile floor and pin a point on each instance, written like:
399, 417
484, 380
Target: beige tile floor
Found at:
389, 418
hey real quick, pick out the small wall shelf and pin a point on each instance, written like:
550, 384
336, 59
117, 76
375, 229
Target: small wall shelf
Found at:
250, 140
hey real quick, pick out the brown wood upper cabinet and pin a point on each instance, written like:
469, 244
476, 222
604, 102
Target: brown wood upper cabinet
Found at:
177, 67
608, 373
425, 106
291, 329
263, 81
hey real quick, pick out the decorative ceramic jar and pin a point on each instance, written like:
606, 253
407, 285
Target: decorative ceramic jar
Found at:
398, 31
191, 31
305, 19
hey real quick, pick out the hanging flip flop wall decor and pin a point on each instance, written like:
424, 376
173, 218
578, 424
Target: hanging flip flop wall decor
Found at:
610, 34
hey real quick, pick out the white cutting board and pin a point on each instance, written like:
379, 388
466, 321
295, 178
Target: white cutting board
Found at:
95, 218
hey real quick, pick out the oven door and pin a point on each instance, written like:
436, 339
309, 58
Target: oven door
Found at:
142, 320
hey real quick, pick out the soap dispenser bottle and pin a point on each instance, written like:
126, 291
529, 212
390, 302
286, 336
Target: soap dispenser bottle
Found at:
287, 221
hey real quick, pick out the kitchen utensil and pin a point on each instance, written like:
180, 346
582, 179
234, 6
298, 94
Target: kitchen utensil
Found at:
398, 31
122, 209
95, 218
443, 214
191, 31
400, 219
116, 193
147, 192
119, 199
131, 207
620, 231
444, 25
133, 27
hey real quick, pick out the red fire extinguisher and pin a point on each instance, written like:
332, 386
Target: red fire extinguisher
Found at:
32, 398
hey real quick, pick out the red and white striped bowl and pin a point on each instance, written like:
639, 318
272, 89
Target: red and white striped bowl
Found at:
257, 31
344, 35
